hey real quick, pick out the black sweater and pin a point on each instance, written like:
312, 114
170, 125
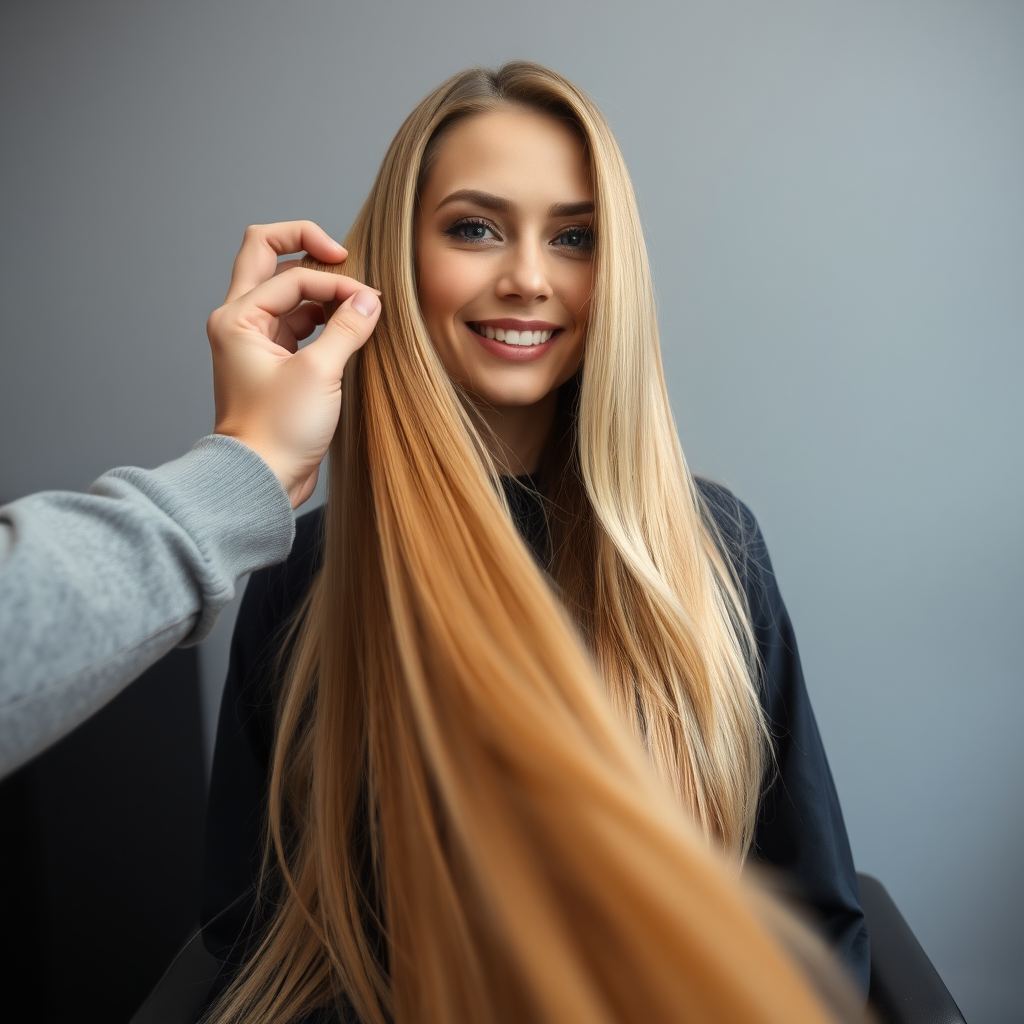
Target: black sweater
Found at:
800, 826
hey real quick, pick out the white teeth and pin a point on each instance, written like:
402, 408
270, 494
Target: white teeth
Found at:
521, 338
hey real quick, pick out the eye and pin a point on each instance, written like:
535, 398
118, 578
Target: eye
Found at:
469, 230
581, 239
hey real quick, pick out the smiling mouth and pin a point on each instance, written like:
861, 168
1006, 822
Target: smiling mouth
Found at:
521, 339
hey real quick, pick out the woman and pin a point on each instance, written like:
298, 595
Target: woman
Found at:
524, 651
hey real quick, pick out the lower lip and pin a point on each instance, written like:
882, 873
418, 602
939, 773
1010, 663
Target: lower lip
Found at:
514, 353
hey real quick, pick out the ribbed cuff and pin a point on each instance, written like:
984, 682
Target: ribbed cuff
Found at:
225, 497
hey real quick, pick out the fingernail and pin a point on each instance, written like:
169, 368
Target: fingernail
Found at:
338, 245
366, 302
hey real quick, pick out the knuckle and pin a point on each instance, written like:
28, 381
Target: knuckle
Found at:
296, 276
213, 322
350, 325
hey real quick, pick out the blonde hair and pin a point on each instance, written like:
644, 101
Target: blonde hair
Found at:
449, 771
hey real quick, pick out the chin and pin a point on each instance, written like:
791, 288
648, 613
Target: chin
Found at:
511, 394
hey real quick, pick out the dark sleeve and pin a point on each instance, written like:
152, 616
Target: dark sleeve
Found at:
800, 827
236, 810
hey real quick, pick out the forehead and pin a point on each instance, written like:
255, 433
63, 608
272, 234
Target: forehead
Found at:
519, 155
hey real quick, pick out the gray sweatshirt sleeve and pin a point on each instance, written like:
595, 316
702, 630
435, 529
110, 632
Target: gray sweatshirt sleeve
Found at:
96, 587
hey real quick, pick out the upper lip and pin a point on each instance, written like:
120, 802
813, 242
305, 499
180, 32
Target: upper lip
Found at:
508, 324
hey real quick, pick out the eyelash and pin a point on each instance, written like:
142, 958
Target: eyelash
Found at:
466, 222
587, 243
455, 231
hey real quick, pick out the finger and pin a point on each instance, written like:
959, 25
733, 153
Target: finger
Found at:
306, 261
305, 320
345, 332
263, 243
332, 268
282, 295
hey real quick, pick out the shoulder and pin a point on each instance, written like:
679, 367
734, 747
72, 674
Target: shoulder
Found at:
307, 553
293, 576
738, 535
274, 594
733, 526
725, 511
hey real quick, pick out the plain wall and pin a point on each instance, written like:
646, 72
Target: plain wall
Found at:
832, 194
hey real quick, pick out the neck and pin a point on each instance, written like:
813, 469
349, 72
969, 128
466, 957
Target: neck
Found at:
518, 434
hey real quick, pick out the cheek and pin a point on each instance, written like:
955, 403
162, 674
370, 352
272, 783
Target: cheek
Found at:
444, 285
577, 288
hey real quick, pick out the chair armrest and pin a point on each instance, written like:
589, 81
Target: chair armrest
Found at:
181, 992
905, 987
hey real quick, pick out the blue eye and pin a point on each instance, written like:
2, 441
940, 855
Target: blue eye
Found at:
471, 231
576, 238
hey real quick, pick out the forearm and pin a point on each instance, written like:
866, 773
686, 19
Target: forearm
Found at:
96, 587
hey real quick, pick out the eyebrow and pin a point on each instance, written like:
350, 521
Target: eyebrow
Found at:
501, 205
571, 209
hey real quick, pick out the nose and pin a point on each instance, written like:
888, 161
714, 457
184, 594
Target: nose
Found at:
524, 274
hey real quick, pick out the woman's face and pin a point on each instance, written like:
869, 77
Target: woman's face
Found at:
504, 255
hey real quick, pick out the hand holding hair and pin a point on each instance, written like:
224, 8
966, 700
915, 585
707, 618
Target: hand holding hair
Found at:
148, 558
279, 400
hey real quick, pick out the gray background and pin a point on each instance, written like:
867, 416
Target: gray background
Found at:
832, 195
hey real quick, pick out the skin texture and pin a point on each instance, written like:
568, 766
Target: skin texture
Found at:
282, 401
521, 258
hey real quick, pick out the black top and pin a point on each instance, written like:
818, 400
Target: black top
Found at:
800, 826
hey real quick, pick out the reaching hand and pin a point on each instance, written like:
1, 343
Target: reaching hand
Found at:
282, 401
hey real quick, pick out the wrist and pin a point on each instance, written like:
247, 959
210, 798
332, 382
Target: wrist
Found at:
266, 452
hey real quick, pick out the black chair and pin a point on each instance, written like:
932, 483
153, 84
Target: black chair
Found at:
102, 851
905, 987
183, 989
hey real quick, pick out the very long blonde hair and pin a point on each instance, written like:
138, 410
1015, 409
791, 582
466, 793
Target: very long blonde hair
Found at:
495, 793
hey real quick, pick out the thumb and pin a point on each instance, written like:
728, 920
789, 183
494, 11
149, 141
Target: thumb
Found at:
347, 330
